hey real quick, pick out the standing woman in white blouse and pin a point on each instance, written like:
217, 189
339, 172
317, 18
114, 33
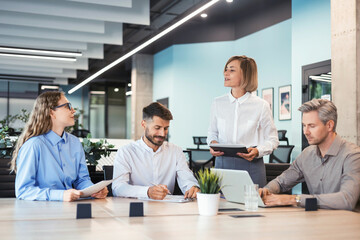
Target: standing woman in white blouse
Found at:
241, 118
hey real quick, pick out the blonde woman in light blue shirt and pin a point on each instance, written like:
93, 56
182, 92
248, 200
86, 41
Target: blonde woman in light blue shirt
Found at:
49, 162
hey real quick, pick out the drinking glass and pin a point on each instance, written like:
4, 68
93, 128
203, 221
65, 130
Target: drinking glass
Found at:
251, 197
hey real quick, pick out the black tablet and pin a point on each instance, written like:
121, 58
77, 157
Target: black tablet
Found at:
229, 150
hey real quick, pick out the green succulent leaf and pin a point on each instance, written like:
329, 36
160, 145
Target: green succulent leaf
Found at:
209, 182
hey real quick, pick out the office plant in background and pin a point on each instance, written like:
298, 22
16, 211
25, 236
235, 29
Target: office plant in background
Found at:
209, 196
8, 135
79, 113
95, 150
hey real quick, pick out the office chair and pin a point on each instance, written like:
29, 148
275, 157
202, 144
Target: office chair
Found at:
281, 154
108, 175
282, 137
199, 141
201, 160
275, 169
7, 180
80, 133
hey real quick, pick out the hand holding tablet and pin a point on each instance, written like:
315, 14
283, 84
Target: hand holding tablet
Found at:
229, 150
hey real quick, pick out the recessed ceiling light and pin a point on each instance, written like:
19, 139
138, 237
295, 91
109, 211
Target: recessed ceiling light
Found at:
97, 92
203, 15
69, 59
40, 51
116, 89
229, 1
43, 87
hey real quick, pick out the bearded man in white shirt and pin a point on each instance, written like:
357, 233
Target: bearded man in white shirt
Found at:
149, 166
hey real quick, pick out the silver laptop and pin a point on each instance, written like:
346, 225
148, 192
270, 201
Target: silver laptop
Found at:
234, 182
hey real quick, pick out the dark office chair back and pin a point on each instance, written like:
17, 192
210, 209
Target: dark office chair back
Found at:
199, 141
108, 175
7, 180
275, 169
281, 154
200, 159
282, 137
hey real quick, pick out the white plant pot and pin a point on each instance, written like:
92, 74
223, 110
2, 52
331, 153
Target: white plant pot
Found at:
208, 204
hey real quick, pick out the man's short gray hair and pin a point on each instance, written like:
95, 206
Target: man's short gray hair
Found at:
326, 109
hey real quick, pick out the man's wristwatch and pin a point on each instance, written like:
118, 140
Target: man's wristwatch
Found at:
298, 200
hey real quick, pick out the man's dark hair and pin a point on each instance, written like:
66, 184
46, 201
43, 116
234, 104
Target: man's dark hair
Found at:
156, 109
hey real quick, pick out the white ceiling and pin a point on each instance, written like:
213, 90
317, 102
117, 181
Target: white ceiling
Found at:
68, 25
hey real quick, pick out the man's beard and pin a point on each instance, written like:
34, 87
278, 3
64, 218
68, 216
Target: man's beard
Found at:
152, 138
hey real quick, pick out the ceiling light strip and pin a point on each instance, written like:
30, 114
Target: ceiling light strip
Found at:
143, 45
38, 57
41, 51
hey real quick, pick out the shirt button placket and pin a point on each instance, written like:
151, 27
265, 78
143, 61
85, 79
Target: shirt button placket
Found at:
155, 171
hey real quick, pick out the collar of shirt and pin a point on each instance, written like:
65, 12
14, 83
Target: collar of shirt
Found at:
54, 139
241, 99
333, 150
147, 148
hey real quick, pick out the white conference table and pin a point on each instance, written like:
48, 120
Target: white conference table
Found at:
56, 220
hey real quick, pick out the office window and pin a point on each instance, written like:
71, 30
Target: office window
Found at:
97, 113
108, 111
3, 99
116, 112
18, 96
22, 96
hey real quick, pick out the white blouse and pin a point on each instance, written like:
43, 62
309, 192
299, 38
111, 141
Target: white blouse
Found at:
246, 120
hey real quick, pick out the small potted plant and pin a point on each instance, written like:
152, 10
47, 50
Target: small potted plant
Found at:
209, 196
94, 151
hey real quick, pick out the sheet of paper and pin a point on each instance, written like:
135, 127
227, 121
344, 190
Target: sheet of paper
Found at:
95, 188
170, 198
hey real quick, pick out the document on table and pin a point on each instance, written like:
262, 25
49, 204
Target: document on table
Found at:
87, 192
170, 198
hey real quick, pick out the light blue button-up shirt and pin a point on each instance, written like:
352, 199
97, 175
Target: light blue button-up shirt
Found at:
48, 164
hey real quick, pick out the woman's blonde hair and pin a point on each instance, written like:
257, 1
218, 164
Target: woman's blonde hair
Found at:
249, 70
39, 121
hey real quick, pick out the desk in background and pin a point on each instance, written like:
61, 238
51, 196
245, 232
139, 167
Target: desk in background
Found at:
56, 220
200, 158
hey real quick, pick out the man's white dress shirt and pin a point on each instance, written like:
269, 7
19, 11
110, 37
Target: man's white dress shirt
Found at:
139, 167
246, 120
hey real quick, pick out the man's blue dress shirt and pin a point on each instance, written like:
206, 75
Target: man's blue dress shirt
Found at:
48, 164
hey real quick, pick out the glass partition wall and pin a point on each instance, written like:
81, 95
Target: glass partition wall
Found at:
16, 96
107, 111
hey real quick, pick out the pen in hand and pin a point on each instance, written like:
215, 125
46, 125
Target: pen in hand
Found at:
162, 186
